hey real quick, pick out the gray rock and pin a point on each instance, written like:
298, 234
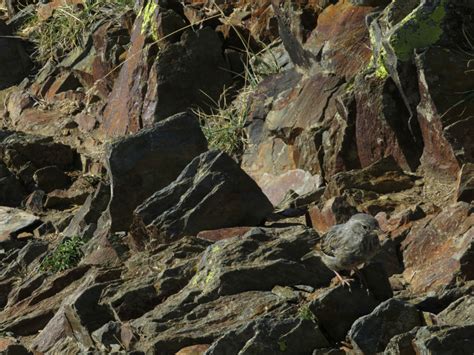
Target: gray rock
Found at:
14, 221
337, 308
460, 312
444, 340
271, 336
143, 163
371, 333
84, 222
212, 192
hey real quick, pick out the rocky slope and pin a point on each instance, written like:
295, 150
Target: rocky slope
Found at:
124, 227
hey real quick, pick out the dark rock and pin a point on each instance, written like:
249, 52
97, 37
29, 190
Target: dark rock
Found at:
459, 313
384, 125
447, 126
12, 191
371, 333
330, 37
465, 183
16, 349
63, 199
26, 289
443, 340
14, 62
35, 201
271, 336
23, 154
141, 164
45, 228
337, 308
211, 192
50, 178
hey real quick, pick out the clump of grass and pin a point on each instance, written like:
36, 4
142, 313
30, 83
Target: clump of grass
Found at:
64, 30
66, 255
224, 126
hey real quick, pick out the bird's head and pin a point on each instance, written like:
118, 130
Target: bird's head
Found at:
366, 221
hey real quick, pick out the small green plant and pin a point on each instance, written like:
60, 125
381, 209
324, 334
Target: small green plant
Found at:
66, 255
224, 126
305, 313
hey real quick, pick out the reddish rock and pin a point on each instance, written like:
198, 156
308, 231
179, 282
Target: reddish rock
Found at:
334, 211
382, 124
342, 30
438, 250
224, 233
446, 120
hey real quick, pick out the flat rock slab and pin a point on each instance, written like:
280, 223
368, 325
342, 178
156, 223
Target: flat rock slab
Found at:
13, 220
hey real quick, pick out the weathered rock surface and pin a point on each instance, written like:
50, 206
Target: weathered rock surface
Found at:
371, 334
14, 221
439, 249
212, 192
143, 163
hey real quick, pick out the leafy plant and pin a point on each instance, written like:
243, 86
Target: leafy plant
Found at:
305, 313
66, 255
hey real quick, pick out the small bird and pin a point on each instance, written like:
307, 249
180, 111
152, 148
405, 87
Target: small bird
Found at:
348, 245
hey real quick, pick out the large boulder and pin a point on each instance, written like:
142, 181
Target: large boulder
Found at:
141, 164
211, 192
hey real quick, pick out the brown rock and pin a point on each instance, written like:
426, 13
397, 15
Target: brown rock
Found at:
341, 30
438, 249
334, 211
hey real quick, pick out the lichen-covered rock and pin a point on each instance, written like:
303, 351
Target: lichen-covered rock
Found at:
460, 312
